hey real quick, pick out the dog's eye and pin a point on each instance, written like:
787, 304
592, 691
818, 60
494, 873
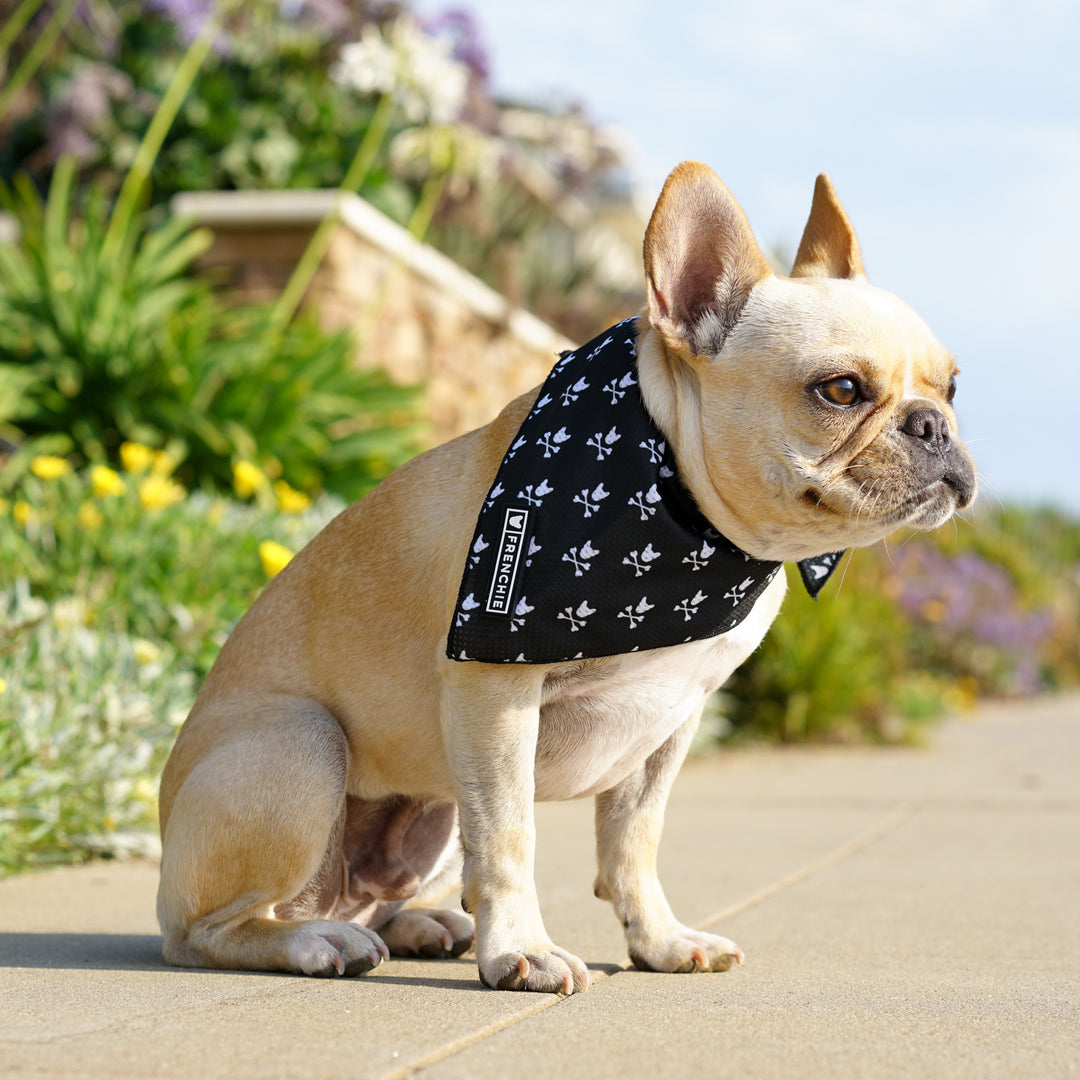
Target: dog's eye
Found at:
951, 392
843, 391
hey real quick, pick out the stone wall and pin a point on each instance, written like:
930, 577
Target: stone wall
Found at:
415, 312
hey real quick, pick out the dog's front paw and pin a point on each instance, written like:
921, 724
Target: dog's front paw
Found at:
547, 969
686, 950
325, 949
427, 932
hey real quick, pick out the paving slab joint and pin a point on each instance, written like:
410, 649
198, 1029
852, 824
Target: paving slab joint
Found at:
892, 821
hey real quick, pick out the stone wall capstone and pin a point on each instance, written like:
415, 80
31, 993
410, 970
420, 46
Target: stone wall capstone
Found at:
414, 312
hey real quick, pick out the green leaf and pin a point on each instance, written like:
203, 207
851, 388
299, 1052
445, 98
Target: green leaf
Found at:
55, 222
169, 251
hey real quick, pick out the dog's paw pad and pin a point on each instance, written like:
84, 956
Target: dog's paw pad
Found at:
551, 971
428, 933
329, 949
687, 950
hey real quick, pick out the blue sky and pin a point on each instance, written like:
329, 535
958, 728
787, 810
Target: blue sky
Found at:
951, 129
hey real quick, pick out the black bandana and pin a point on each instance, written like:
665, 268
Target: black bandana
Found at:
587, 544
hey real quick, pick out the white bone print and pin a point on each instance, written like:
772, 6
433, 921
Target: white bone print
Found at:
737, 592
470, 603
572, 393
645, 501
523, 608
582, 559
604, 445
480, 545
534, 496
689, 606
578, 616
699, 559
641, 562
635, 614
591, 503
552, 441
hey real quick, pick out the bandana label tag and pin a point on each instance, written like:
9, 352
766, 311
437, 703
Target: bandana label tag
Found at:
507, 561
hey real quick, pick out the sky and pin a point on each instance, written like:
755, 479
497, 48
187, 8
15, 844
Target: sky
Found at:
950, 129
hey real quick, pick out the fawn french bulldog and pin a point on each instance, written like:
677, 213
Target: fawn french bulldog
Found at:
538, 610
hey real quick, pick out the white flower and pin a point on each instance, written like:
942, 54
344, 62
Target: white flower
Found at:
462, 153
369, 65
417, 69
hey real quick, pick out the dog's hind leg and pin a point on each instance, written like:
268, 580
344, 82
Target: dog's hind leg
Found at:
629, 821
253, 814
430, 845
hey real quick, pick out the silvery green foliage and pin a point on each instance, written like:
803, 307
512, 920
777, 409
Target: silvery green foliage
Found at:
87, 719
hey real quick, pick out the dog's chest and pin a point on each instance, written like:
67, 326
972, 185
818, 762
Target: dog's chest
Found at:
601, 720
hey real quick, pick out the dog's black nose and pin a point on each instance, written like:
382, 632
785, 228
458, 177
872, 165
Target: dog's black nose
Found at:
929, 427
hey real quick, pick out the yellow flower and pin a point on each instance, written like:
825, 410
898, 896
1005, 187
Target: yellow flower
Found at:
290, 500
145, 791
106, 482
89, 517
3, 685
275, 557
933, 611
135, 457
23, 513
67, 612
49, 467
158, 492
248, 478
146, 652
164, 463
216, 513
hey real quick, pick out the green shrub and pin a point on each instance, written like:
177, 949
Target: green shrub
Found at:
97, 350
117, 590
86, 719
264, 110
833, 668
80, 336
923, 625
149, 559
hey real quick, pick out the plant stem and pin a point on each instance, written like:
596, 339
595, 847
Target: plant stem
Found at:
139, 173
300, 279
23, 14
38, 51
425, 206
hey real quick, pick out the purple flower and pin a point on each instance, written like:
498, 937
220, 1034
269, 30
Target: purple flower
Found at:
80, 112
464, 31
188, 17
972, 611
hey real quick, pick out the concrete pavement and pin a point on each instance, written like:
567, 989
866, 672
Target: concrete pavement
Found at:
905, 913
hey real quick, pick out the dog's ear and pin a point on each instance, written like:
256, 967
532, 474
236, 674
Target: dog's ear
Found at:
828, 247
701, 261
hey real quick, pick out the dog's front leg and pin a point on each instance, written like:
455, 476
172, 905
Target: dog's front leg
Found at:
629, 821
491, 723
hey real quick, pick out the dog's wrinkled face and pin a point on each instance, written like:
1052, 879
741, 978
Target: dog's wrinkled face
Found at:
841, 399
824, 404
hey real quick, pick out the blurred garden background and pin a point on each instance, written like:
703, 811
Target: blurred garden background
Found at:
176, 419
